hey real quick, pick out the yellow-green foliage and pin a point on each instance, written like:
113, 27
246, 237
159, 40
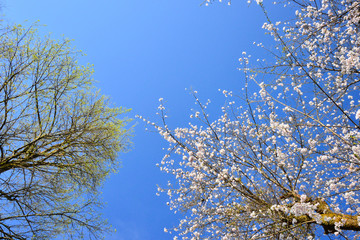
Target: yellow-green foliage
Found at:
59, 139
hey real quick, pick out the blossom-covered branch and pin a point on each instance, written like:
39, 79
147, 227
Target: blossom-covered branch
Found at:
282, 162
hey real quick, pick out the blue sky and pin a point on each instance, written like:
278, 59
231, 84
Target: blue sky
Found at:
143, 50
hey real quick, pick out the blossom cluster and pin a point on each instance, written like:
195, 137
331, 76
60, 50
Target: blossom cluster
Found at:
275, 163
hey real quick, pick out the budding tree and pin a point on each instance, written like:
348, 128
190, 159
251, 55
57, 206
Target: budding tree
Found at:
59, 139
282, 162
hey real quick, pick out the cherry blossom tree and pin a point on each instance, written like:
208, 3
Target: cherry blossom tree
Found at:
282, 162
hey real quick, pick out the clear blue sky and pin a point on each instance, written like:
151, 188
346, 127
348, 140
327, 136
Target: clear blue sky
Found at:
143, 50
